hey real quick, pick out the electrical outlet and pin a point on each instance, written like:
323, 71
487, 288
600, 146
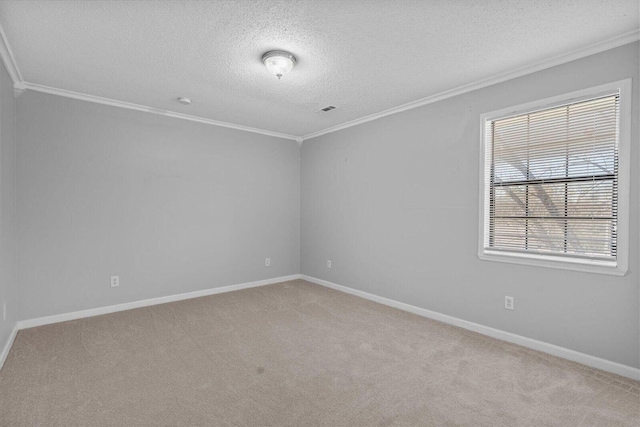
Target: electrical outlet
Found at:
267, 262
508, 303
115, 281
329, 263
4, 311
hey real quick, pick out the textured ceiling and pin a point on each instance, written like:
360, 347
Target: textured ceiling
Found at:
363, 56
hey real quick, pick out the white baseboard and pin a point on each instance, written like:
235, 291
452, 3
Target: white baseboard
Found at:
565, 353
5, 350
40, 321
585, 359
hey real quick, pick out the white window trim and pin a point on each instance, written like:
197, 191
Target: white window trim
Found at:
618, 268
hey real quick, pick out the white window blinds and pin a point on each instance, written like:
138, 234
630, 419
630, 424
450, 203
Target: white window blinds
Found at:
552, 178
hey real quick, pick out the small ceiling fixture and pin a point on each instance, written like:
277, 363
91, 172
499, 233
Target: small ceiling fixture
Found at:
278, 62
184, 101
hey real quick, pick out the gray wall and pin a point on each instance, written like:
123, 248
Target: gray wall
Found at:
8, 277
394, 204
171, 206
174, 206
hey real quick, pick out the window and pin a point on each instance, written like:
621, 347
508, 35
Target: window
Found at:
554, 190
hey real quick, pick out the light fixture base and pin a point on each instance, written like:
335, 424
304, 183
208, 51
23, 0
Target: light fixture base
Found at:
279, 62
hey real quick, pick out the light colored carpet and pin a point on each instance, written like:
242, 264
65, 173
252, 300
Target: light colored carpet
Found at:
294, 354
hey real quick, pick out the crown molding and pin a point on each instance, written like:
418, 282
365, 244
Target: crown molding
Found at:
20, 86
146, 109
9, 60
18, 89
626, 38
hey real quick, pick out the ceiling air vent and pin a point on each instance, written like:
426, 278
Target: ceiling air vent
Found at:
327, 108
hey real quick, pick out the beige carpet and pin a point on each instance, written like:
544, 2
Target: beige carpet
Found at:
294, 354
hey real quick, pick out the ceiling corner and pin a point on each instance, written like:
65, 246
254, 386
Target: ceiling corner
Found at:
9, 60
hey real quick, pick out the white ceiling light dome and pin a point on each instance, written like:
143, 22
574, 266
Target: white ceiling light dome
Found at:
279, 62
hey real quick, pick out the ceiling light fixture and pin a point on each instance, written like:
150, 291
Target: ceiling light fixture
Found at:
279, 62
184, 101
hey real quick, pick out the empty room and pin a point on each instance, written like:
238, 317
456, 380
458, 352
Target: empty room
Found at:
320, 212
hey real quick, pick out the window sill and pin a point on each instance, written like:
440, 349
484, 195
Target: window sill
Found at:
586, 266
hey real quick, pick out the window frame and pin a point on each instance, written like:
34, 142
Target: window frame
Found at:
620, 266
